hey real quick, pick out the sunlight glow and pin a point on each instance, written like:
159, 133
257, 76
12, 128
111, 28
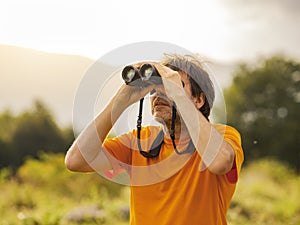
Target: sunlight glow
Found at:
221, 30
95, 27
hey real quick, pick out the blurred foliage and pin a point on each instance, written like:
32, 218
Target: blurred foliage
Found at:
43, 192
263, 103
51, 167
30, 132
267, 193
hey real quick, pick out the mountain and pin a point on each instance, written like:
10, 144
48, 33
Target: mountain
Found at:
27, 74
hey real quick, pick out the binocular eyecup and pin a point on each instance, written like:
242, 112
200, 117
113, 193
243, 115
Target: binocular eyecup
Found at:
146, 72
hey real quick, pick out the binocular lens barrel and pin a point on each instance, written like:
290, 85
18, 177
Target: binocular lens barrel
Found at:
128, 73
145, 72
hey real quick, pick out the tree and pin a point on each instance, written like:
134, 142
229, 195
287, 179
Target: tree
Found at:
263, 103
7, 127
29, 133
37, 131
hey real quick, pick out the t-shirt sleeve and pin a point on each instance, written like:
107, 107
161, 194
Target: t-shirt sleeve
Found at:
118, 151
233, 138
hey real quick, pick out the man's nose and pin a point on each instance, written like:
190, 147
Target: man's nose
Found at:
159, 90
160, 94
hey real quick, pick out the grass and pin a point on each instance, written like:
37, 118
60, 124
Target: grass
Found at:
267, 193
43, 192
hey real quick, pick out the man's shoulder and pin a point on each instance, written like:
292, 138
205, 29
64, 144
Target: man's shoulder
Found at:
226, 129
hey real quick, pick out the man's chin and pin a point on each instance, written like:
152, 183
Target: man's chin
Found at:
159, 119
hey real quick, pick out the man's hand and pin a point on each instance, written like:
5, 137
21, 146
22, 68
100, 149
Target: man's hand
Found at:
129, 94
171, 80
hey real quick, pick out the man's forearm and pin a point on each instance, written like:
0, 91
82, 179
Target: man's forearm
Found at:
86, 153
215, 152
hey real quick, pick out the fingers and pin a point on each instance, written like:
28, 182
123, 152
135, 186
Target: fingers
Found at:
165, 72
169, 77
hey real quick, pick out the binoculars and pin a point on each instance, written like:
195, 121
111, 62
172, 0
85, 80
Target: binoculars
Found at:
146, 72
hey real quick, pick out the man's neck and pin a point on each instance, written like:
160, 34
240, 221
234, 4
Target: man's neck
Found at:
181, 132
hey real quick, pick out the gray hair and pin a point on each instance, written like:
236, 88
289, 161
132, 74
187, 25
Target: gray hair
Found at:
199, 78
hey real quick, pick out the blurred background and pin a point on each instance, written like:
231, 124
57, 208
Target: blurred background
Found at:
46, 47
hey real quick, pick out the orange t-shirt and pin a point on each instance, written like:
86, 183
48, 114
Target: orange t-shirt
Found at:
172, 189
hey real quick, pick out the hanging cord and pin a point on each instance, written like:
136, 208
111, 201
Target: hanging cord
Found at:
190, 148
156, 145
139, 124
155, 148
172, 130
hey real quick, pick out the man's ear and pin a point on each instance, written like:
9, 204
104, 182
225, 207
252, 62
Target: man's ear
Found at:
199, 100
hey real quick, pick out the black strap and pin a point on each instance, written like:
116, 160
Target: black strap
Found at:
156, 145
190, 148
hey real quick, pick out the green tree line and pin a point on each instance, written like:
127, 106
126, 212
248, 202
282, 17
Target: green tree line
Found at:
31, 132
263, 103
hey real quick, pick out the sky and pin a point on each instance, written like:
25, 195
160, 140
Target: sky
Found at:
224, 30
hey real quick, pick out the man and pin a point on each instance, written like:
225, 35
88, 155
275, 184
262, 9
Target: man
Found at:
184, 173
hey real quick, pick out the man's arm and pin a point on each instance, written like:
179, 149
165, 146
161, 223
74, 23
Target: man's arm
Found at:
88, 146
86, 153
215, 152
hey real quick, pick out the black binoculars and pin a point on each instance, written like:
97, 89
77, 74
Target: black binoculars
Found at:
146, 72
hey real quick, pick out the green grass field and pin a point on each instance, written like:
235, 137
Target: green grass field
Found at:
43, 192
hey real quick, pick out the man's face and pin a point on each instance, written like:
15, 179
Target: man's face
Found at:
161, 106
